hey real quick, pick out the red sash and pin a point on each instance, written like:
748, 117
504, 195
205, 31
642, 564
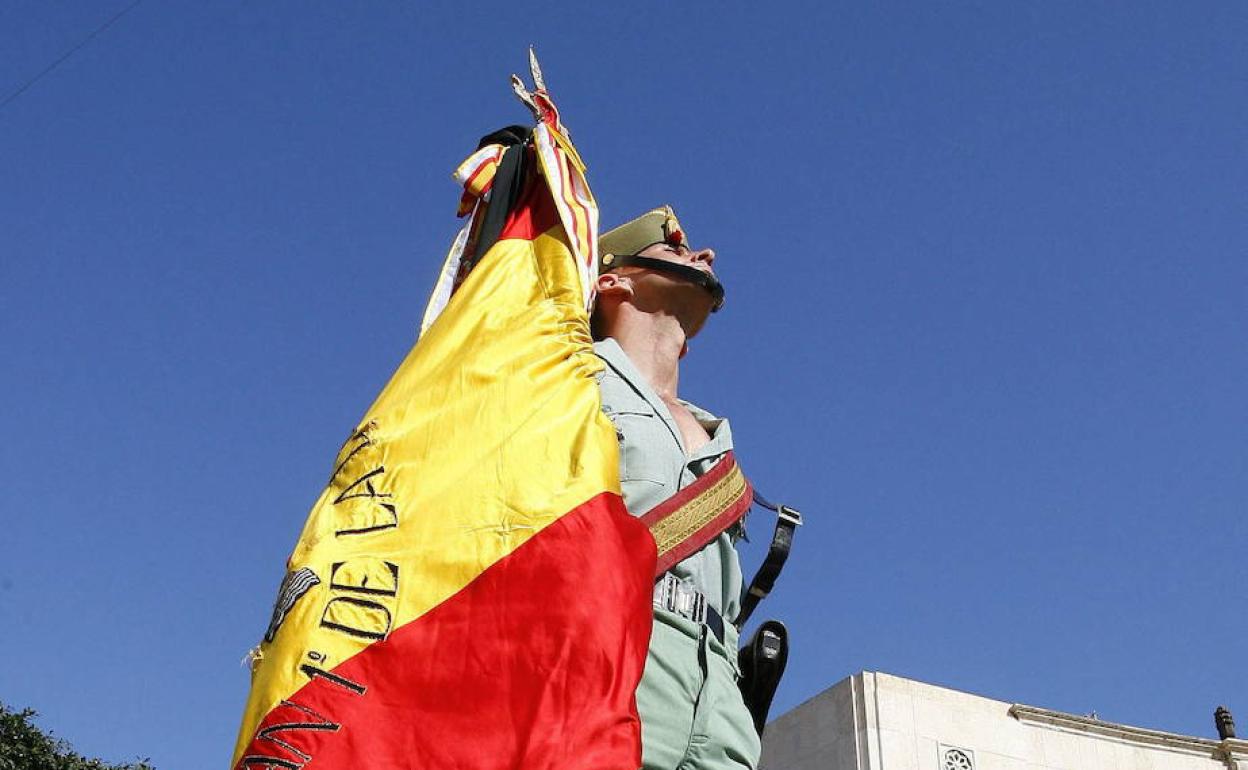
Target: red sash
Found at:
697, 514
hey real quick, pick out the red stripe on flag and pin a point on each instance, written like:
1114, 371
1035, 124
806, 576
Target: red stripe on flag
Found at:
487, 165
534, 213
532, 665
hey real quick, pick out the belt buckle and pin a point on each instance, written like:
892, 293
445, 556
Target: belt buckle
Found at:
696, 603
674, 595
791, 515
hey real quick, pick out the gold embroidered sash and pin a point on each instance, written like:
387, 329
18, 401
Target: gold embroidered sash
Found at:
697, 514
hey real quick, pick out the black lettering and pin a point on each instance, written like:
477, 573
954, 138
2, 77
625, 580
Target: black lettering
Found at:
318, 724
365, 576
359, 617
312, 672
261, 762
361, 506
368, 490
368, 519
358, 442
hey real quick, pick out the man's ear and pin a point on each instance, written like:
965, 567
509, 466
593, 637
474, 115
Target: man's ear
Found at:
613, 284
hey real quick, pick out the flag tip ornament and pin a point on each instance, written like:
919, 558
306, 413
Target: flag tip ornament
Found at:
551, 145
539, 86
535, 70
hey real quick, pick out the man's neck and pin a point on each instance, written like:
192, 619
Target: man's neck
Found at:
654, 345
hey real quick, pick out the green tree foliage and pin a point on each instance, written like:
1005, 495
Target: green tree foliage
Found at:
23, 746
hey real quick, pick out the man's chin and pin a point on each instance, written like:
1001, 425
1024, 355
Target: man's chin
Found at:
692, 323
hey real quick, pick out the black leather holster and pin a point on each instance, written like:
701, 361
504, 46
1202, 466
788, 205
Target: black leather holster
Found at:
762, 661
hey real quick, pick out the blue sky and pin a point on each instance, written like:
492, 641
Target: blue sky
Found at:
987, 269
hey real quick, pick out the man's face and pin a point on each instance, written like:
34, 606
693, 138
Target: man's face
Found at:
702, 259
690, 303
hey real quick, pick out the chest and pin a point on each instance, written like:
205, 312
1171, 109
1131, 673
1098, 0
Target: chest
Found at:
692, 433
662, 449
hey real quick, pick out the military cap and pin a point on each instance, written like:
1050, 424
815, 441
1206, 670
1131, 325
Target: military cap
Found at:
655, 226
621, 247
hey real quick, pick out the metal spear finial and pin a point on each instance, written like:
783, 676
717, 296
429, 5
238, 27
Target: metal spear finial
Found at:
536, 71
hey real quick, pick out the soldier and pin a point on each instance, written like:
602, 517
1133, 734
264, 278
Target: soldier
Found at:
654, 294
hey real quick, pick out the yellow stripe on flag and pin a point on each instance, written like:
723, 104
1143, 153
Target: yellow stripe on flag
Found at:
488, 432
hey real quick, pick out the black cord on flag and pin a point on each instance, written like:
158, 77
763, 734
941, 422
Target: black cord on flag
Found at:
506, 189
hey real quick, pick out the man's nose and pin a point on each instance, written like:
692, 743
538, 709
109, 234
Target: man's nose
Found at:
703, 255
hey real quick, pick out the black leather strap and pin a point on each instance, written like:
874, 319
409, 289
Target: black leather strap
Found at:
691, 274
715, 623
787, 521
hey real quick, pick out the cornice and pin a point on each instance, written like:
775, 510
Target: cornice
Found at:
1230, 748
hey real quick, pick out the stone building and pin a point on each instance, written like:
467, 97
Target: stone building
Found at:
874, 721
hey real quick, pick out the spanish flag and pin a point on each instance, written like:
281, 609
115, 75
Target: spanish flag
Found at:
469, 591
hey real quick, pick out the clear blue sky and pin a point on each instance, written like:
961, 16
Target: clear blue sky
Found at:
987, 267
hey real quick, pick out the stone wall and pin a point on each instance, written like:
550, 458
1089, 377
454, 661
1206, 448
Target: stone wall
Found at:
874, 721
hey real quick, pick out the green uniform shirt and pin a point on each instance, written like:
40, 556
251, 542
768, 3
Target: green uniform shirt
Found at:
654, 466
